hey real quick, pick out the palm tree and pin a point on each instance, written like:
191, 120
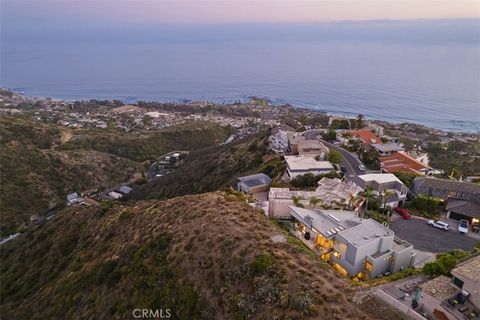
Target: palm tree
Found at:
387, 193
314, 201
366, 194
296, 200
335, 204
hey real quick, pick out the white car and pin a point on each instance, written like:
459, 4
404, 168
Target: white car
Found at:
463, 226
439, 224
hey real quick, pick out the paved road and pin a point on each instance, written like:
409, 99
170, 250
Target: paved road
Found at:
350, 161
428, 238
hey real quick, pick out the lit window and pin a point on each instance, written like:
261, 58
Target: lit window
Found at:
368, 266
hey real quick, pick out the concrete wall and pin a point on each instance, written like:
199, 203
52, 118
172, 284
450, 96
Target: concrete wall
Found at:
380, 264
403, 259
353, 259
293, 174
280, 208
472, 287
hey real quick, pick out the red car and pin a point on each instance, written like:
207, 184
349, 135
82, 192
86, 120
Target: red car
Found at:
403, 212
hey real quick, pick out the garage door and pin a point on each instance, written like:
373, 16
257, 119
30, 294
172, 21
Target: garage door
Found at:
458, 216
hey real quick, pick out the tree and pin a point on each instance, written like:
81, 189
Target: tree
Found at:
314, 201
368, 195
433, 269
335, 157
360, 122
330, 135
406, 178
296, 201
370, 158
387, 193
426, 204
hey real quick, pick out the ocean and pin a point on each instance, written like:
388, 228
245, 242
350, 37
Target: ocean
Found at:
433, 83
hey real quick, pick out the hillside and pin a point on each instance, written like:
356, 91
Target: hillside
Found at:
206, 256
41, 163
215, 168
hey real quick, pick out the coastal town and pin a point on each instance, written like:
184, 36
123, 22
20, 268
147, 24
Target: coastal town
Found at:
361, 195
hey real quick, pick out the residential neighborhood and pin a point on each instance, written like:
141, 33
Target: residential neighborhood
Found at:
369, 215
359, 197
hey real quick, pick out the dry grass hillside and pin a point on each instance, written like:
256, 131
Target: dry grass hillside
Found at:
40, 163
206, 256
216, 168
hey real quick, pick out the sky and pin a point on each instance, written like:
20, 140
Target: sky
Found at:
225, 12
126, 20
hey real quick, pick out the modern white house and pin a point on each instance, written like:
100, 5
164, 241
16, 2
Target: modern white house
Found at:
300, 165
380, 182
357, 248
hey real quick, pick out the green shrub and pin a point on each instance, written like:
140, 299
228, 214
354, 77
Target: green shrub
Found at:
444, 263
261, 264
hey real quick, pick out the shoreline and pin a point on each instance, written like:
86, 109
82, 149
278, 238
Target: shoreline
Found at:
271, 102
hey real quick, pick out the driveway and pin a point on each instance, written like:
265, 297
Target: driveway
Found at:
349, 160
427, 238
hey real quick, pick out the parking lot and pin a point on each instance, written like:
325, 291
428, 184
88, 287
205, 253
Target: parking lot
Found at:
427, 238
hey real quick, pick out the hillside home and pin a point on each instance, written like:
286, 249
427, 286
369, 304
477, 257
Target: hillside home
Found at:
312, 148
380, 182
357, 248
329, 193
366, 137
255, 183
463, 198
125, 189
418, 155
386, 149
73, 198
401, 162
300, 165
466, 276
114, 195
294, 138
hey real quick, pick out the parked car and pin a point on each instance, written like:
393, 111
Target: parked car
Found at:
361, 167
343, 168
439, 224
403, 212
463, 226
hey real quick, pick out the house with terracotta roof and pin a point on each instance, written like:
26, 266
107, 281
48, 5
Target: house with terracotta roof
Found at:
366, 137
400, 162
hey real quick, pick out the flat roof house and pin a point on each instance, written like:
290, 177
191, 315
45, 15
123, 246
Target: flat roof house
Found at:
380, 182
357, 248
294, 138
312, 148
330, 192
300, 165
254, 183
466, 276
386, 149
